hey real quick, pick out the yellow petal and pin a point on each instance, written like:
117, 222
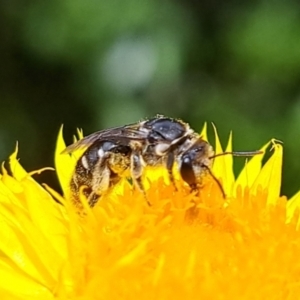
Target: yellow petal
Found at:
64, 164
251, 170
33, 235
55, 225
79, 134
11, 185
223, 165
230, 178
293, 208
17, 170
203, 133
269, 177
23, 245
16, 285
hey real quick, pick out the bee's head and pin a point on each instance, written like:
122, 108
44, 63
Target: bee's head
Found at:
195, 160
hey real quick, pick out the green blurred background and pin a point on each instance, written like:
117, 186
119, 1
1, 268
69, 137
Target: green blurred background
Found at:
96, 63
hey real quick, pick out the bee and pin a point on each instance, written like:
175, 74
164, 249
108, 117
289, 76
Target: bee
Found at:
163, 141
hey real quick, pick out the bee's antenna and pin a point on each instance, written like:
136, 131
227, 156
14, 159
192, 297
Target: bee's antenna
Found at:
247, 153
216, 180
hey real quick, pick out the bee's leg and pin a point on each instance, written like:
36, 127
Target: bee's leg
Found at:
75, 188
170, 163
191, 174
136, 165
100, 182
93, 198
195, 188
193, 177
216, 180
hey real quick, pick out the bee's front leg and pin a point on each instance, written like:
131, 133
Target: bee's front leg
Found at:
169, 165
136, 169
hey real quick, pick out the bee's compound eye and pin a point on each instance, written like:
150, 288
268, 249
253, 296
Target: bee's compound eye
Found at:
198, 149
186, 169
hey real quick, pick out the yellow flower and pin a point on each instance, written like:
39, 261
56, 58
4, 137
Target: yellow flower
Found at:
182, 247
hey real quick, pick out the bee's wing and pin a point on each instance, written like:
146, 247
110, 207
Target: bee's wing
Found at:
126, 133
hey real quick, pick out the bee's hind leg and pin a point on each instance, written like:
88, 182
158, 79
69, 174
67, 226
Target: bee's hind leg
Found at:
100, 182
